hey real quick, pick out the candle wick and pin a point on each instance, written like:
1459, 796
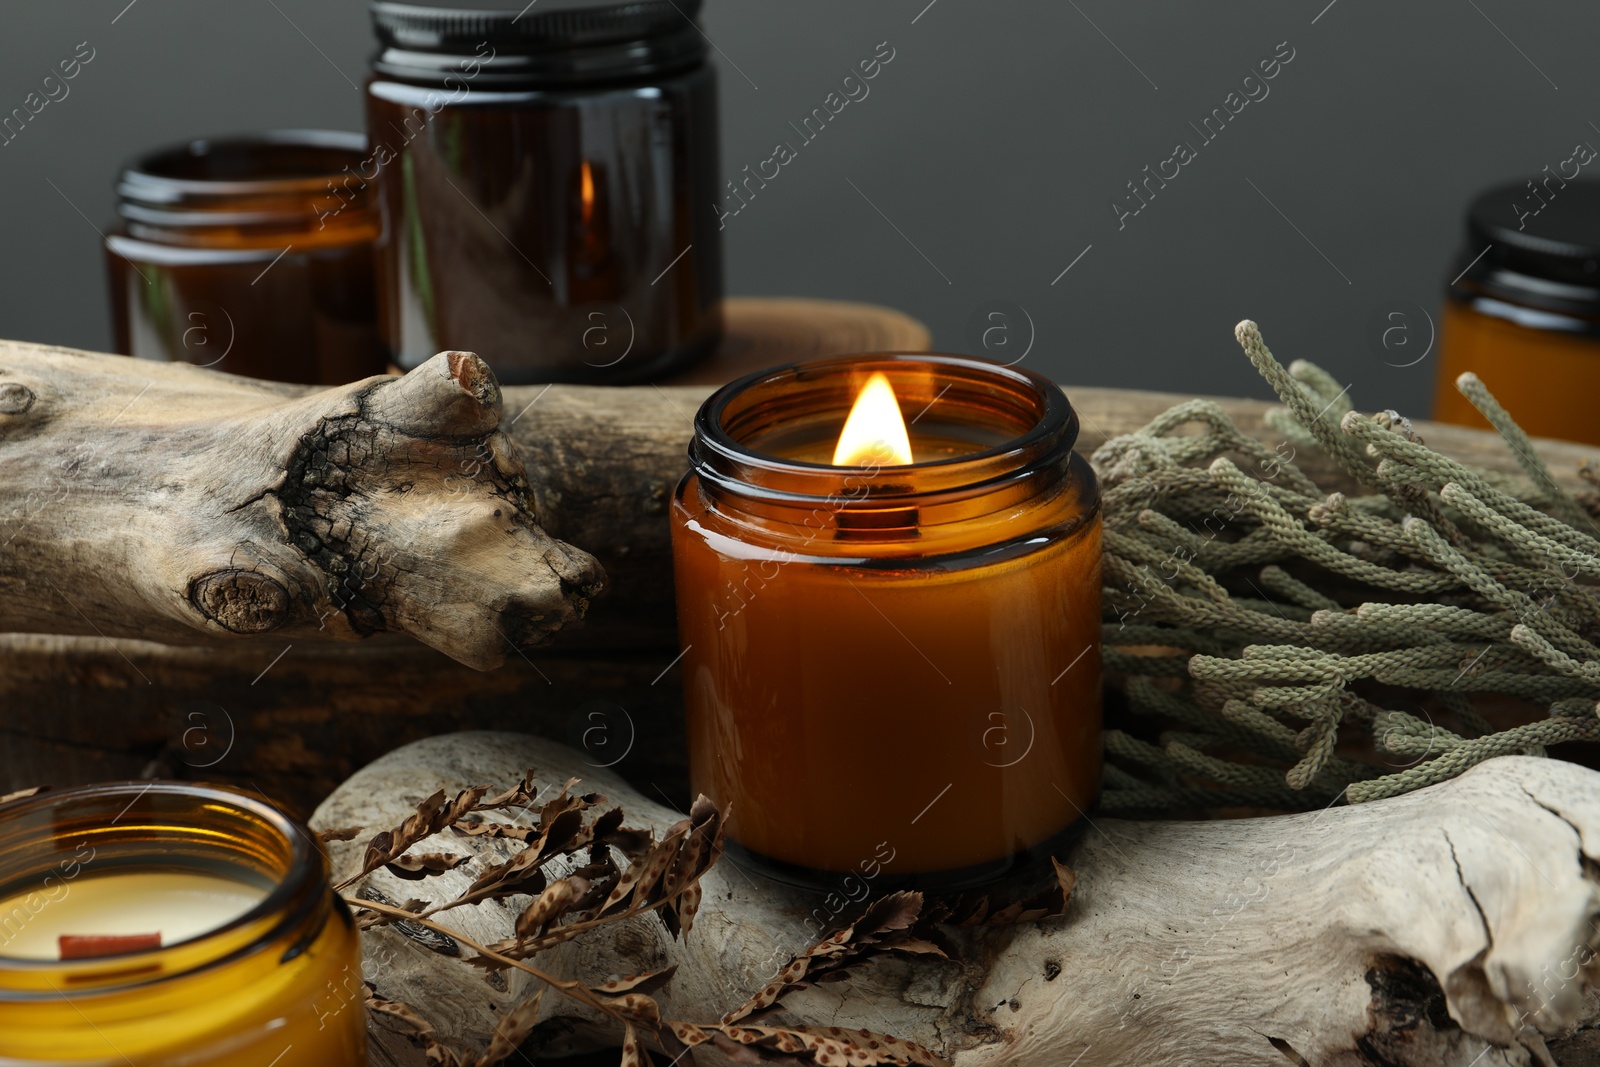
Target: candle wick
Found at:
94, 946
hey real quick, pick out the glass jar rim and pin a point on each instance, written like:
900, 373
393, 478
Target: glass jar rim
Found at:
287, 903
717, 454
170, 186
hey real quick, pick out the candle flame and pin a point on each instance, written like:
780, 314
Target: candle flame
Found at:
875, 433
586, 192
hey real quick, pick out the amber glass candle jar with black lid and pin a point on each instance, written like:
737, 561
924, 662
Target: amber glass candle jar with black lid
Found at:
1523, 312
252, 254
548, 180
891, 669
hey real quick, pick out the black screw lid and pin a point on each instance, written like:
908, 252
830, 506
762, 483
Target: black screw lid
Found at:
1535, 242
555, 42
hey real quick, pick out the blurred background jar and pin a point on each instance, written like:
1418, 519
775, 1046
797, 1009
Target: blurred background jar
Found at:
548, 181
1524, 311
251, 254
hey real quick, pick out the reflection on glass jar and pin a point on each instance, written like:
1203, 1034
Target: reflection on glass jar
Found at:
548, 185
164, 922
251, 254
1524, 311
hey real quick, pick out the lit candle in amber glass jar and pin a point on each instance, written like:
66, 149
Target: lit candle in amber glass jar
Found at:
888, 579
149, 923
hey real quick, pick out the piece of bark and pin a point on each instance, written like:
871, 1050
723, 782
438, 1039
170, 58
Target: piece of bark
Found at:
166, 502
1450, 926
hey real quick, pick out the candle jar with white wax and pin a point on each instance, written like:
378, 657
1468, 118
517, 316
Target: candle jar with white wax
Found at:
162, 922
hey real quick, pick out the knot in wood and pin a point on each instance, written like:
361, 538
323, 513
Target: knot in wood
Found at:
15, 398
474, 376
242, 602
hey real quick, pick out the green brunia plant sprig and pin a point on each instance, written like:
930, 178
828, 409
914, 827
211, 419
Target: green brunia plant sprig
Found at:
1272, 626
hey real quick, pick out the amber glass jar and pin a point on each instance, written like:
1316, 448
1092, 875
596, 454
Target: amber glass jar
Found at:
277, 981
1524, 311
891, 672
549, 178
251, 254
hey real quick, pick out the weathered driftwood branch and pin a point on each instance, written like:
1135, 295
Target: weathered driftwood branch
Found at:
145, 500
1454, 925
166, 502
601, 466
115, 470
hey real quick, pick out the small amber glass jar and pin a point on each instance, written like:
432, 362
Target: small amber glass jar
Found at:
1523, 312
548, 176
891, 672
276, 983
249, 254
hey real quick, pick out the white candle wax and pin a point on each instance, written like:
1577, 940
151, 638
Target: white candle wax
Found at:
175, 905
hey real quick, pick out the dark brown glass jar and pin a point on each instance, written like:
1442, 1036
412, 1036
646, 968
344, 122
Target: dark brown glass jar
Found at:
250, 254
548, 180
1523, 312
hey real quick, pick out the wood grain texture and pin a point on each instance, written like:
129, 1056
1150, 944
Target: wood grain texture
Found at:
163, 502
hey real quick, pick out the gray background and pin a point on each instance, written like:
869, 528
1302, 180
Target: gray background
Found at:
983, 161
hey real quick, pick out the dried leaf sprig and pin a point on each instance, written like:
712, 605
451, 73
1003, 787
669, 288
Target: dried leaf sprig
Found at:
901, 924
433, 814
661, 877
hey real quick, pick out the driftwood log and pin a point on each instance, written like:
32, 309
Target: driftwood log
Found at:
199, 506
294, 716
150, 500
182, 447
1451, 926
